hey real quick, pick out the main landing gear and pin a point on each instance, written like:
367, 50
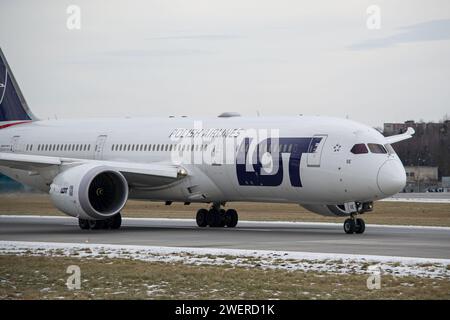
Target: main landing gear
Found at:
217, 217
113, 223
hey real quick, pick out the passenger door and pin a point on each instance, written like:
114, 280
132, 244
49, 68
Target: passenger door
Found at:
315, 150
99, 146
15, 146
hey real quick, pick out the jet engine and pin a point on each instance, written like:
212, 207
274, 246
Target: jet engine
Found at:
89, 191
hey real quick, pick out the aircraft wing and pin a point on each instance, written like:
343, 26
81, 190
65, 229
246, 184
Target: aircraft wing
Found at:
144, 175
27, 162
400, 137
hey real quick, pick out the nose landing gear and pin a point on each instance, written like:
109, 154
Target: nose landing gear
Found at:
217, 217
357, 225
354, 225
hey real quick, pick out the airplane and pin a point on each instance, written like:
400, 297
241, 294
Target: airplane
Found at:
91, 167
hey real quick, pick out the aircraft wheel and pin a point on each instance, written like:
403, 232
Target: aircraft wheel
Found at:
231, 218
115, 222
360, 226
213, 218
223, 217
349, 226
201, 218
95, 224
83, 224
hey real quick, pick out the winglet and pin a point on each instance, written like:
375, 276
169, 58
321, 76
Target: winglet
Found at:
400, 137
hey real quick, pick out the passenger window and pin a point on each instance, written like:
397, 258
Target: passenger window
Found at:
359, 149
314, 145
376, 148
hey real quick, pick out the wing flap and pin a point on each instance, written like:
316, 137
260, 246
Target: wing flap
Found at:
27, 162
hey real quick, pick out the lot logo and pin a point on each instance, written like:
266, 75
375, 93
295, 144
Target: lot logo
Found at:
261, 164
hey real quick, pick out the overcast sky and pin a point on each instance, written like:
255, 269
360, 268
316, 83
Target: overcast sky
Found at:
203, 57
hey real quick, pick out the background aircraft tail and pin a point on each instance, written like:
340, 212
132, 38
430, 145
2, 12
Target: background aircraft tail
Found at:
12, 103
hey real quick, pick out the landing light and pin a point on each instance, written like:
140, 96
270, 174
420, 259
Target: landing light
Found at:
181, 172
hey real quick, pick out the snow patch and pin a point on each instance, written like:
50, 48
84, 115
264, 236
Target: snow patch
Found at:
265, 259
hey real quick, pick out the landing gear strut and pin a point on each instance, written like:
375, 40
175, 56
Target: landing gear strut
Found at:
216, 217
113, 223
354, 225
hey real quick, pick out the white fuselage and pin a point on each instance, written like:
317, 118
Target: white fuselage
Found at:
327, 174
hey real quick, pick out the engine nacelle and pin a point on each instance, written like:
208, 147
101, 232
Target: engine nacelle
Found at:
341, 210
89, 191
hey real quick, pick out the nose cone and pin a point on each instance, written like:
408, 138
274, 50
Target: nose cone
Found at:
391, 177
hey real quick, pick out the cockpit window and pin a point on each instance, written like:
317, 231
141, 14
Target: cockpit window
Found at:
389, 148
359, 148
376, 148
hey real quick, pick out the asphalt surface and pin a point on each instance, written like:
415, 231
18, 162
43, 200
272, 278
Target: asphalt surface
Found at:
425, 242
